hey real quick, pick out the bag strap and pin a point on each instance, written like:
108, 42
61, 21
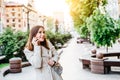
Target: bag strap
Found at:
41, 56
41, 51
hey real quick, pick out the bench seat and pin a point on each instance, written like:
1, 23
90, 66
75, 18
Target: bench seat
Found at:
108, 62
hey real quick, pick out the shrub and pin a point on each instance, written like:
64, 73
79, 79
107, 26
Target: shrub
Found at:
11, 42
56, 38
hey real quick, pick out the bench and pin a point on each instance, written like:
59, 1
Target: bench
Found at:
1, 58
85, 61
109, 63
90, 61
81, 40
117, 54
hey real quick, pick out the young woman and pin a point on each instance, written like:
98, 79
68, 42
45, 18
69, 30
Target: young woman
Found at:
38, 53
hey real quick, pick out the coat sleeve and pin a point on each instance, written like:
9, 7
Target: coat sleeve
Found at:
34, 57
55, 55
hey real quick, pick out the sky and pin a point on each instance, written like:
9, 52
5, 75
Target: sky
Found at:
47, 7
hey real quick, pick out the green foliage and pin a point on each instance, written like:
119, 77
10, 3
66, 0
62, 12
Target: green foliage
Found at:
3, 65
103, 29
11, 42
103, 2
81, 9
58, 38
84, 31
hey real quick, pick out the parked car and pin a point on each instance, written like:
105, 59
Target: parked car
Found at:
80, 40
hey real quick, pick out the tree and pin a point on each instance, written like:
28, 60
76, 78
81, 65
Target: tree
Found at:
104, 30
84, 31
11, 42
81, 9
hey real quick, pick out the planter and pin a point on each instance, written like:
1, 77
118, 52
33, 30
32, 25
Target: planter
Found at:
99, 55
15, 65
93, 51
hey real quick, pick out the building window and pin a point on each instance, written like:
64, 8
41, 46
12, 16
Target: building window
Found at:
23, 10
19, 20
13, 20
13, 25
19, 15
13, 9
7, 15
19, 25
19, 9
7, 25
13, 14
0, 3
7, 21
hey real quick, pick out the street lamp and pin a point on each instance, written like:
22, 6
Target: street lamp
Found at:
28, 26
43, 18
28, 12
56, 25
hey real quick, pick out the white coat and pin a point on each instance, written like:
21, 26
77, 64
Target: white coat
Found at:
40, 63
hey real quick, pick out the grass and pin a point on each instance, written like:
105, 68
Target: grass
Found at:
3, 65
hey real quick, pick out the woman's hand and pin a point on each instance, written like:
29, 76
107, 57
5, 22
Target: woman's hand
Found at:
51, 62
35, 41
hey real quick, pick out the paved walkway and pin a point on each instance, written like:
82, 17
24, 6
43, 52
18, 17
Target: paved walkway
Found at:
72, 67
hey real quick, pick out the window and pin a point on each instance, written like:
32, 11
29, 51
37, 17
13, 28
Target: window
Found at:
7, 20
19, 25
0, 3
13, 9
13, 14
8, 26
7, 15
19, 9
13, 25
19, 20
13, 20
19, 15
23, 10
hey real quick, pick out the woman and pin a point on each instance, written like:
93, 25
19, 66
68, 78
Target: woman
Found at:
38, 53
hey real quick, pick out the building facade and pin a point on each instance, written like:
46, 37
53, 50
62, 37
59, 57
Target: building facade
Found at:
59, 21
19, 16
119, 7
2, 16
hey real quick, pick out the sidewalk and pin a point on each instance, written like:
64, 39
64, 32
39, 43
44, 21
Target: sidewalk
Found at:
72, 67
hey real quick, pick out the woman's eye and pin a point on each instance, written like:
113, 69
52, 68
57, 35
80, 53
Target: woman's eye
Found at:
39, 31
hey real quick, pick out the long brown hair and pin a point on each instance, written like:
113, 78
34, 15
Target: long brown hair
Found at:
32, 34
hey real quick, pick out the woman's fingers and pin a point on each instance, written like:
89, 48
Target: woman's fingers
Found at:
35, 41
51, 62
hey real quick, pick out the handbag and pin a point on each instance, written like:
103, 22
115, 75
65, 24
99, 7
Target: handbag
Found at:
58, 68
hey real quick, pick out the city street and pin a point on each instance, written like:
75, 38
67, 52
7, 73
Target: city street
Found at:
72, 67
97, 19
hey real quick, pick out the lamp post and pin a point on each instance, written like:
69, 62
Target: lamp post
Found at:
28, 25
43, 21
28, 12
43, 18
56, 25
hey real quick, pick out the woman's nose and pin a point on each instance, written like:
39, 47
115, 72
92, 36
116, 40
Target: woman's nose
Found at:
42, 34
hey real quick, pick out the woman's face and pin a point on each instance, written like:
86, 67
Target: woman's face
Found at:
40, 35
